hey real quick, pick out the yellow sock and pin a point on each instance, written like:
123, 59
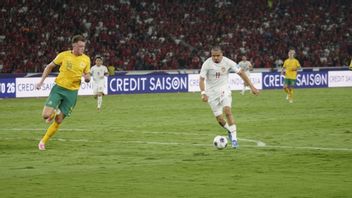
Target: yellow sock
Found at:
291, 93
50, 131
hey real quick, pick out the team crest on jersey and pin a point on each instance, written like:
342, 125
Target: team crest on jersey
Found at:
82, 65
223, 69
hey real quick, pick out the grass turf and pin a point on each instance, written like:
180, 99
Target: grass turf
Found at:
160, 145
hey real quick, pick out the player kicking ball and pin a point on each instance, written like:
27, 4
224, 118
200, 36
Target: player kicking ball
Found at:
98, 72
213, 84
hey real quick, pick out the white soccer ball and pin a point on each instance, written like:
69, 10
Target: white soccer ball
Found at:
220, 142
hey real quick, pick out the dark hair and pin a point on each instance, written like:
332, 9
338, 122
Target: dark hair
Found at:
98, 57
77, 38
216, 48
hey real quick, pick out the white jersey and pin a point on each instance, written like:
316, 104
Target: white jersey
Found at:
98, 72
217, 75
245, 65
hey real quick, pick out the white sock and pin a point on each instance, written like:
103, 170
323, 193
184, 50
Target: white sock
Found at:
233, 131
244, 89
100, 101
226, 126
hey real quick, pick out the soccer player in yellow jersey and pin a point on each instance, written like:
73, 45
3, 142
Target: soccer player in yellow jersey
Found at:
63, 96
351, 65
290, 67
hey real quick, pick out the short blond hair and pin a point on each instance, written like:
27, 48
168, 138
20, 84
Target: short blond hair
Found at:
77, 38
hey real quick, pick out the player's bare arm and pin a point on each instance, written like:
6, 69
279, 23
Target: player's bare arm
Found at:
282, 71
202, 89
45, 74
245, 78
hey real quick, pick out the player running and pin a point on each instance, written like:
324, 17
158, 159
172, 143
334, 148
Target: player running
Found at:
63, 96
98, 72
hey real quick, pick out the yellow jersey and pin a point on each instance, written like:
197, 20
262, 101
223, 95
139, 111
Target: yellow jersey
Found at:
71, 70
291, 66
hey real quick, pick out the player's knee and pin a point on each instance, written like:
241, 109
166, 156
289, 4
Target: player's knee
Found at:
46, 115
59, 119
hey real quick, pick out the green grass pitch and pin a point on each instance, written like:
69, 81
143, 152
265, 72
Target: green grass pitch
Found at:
160, 145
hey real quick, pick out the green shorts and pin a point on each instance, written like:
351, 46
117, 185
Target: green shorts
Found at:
62, 98
289, 82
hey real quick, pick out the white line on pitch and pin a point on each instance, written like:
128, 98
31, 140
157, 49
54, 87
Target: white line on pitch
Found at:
310, 148
40, 129
259, 143
192, 144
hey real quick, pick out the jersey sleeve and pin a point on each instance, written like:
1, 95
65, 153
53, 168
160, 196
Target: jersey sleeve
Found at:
203, 70
234, 66
285, 64
59, 59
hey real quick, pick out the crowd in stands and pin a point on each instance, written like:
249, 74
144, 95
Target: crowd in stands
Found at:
164, 35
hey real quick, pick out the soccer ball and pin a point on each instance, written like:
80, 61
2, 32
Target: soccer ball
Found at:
220, 142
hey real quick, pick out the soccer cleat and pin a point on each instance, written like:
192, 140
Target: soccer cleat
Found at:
290, 101
234, 144
41, 146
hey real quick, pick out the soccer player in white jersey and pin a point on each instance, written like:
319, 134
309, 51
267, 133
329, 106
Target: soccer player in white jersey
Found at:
98, 71
215, 90
246, 66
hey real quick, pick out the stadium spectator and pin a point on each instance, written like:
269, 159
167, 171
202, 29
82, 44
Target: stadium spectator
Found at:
1, 65
160, 34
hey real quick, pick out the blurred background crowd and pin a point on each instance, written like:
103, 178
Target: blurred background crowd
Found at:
165, 35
